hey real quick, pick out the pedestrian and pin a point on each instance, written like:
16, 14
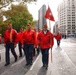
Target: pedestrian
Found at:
0, 38
36, 47
45, 42
58, 37
28, 44
19, 37
10, 42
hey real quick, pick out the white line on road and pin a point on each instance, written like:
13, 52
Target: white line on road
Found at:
18, 62
34, 63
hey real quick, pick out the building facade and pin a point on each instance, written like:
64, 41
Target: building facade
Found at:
67, 17
55, 28
41, 19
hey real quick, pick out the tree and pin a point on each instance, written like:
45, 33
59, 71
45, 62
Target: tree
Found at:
4, 3
2, 27
19, 16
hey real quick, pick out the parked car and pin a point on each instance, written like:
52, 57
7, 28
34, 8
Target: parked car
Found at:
71, 35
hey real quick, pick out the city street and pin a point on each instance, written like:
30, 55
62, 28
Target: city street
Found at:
63, 61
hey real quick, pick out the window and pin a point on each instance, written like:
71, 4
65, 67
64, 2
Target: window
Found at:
73, 27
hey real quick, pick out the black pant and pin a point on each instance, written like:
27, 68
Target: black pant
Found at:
7, 55
20, 49
45, 54
58, 42
28, 50
34, 52
37, 50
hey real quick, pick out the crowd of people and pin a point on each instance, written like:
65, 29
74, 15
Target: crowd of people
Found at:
30, 41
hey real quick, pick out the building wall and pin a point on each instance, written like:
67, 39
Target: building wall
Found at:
67, 17
41, 18
55, 28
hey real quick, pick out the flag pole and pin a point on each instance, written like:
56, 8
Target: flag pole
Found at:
50, 31
49, 16
51, 54
51, 47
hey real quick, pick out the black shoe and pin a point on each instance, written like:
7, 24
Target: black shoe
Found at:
16, 59
6, 64
46, 66
30, 63
43, 65
27, 64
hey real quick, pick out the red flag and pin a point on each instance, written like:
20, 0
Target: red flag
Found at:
49, 14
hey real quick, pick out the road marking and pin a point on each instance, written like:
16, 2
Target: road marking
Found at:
18, 62
34, 63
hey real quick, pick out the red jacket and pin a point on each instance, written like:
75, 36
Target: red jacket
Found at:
45, 40
36, 40
29, 37
0, 38
7, 36
19, 36
58, 37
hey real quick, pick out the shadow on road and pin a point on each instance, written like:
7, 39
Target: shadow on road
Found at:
15, 68
58, 48
42, 71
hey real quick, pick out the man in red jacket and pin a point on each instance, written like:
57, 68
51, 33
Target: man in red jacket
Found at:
19, 37
29, 42
45, 38
58, 37
36, 47
10, 43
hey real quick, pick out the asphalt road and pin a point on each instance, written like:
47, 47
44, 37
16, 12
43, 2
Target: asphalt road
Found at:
63, 62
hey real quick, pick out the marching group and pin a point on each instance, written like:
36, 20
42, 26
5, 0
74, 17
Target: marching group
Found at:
29, 40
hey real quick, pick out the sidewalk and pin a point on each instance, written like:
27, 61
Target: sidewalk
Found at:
14, 68
62, 65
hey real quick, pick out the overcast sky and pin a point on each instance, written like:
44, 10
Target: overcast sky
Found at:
33, 8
